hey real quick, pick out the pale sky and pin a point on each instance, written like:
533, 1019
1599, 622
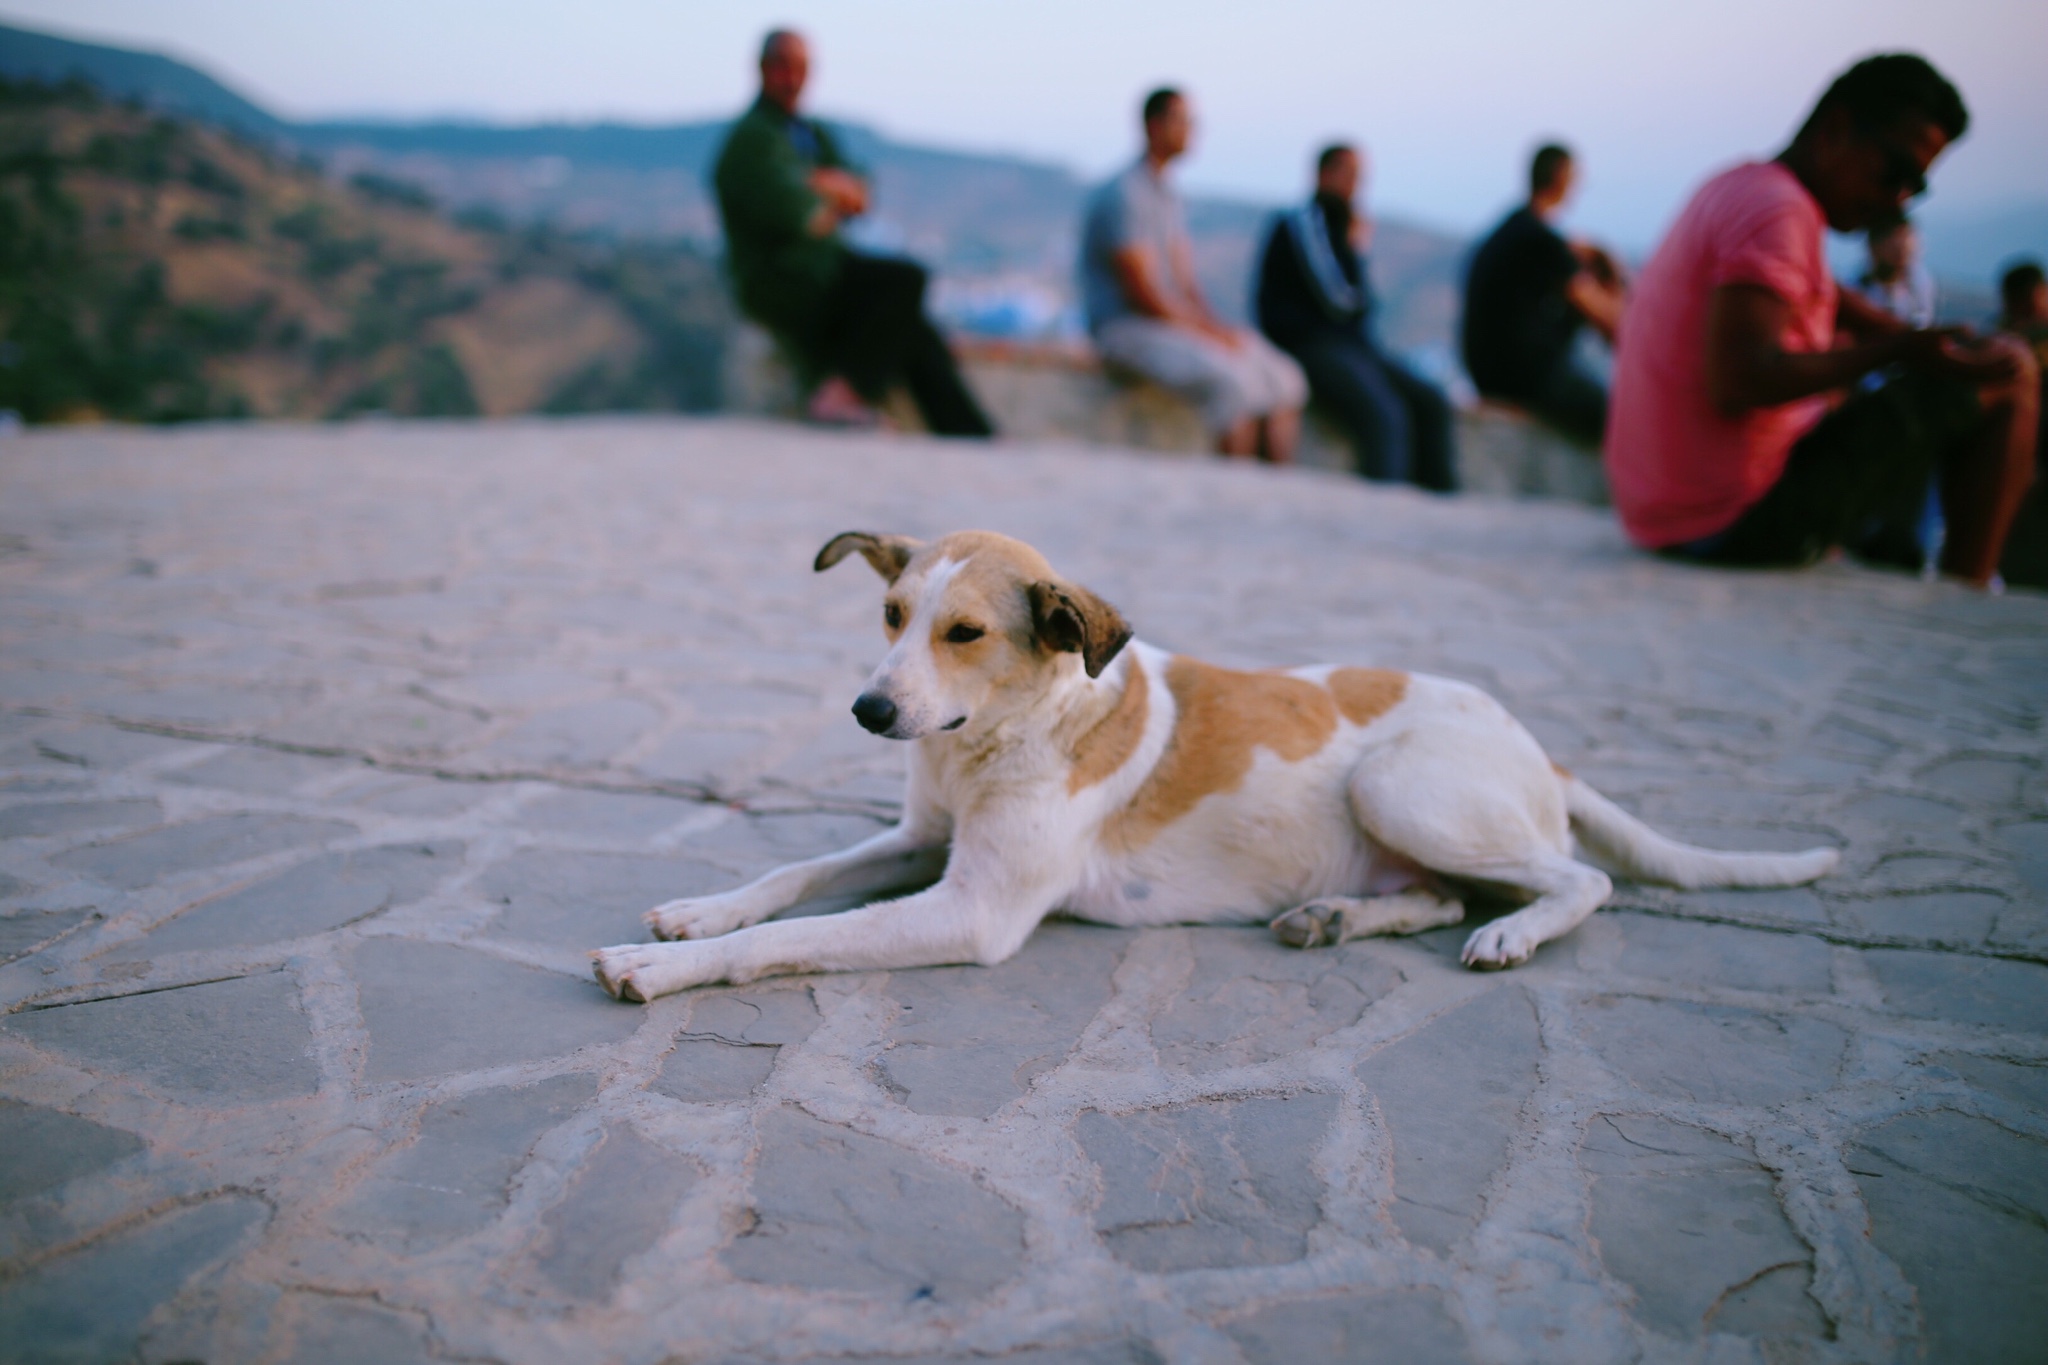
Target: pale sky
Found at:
1449, 95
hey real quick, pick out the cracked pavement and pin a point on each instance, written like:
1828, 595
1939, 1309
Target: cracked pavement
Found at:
325, 754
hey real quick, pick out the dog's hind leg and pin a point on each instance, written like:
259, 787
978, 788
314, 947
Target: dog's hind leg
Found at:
1478, 802
1566, 893
1337, 919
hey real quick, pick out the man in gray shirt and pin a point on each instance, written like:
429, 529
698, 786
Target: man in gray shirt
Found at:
1147, 314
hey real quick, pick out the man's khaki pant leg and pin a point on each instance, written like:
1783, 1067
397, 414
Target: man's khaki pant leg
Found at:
1230, 384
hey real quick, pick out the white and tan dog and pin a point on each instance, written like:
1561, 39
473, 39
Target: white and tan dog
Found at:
1060, 766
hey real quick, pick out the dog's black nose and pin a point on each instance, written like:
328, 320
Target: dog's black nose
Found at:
875, 712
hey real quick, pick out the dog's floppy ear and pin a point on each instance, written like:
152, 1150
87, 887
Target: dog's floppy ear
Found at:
1073, 620
888, 554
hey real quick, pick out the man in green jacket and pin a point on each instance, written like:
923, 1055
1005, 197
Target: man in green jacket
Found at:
853, 322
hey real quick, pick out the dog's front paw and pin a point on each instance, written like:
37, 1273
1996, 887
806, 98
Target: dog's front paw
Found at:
641, 972
1498, 945
1311, 925
692, 917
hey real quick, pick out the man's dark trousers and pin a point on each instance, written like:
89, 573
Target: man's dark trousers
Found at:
1398, 422
876, 333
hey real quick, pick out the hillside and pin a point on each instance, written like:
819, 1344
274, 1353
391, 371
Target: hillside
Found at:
158, 269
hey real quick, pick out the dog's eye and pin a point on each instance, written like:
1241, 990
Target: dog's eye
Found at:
892, 615
963, 634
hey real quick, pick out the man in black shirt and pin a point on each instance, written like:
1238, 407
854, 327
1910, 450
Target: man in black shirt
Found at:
1315, 303
1527, 293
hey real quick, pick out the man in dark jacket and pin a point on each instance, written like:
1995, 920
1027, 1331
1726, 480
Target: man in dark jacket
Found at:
854, 323
1315, 303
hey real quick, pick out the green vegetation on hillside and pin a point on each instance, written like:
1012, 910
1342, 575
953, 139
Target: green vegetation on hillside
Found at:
157, 270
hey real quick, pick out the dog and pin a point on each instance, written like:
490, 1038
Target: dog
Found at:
1059, 765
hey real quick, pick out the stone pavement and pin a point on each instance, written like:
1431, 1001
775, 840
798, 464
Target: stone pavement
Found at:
326, 753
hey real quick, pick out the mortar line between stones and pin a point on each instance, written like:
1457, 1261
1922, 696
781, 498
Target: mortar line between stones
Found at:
1833, 935
30, 1006
27, 1262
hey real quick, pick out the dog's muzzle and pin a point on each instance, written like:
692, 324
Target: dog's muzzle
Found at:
875, 712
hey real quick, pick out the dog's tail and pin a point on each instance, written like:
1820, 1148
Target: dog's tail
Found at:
1634, 848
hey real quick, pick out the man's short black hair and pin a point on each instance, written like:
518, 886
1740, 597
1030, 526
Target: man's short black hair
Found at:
1547, 165
1878, 90
1328, 156
774, 36
2018, 284
1157, 103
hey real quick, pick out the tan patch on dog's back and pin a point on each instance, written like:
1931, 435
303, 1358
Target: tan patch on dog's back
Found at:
1224, 717
1113, 739
1365, 694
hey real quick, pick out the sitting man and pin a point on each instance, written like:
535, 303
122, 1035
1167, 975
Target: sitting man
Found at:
1732, 440
853, 323
1528, 292
1147, 314
1315, 303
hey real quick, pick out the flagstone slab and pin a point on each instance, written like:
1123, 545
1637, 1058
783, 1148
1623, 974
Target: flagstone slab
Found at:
1450, 1096
217, 1042
432, 1009
837, 1209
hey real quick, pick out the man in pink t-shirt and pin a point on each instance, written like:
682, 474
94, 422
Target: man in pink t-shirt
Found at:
1730, 438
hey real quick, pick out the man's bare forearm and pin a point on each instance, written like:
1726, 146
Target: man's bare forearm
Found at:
1747, 365
1768, 378
1141, 290
1598, 302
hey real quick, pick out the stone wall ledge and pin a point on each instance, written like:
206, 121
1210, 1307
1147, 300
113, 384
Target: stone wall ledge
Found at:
1061, 392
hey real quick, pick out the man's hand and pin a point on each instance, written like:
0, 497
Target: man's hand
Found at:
846, 192
841, 195
1137, 272
1603, 267
823, 221
1598, 290
1229, 338
1954, 351
1748, 366
1600, 302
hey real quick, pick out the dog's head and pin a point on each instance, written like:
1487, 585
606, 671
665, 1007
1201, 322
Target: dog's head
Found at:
976, 622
